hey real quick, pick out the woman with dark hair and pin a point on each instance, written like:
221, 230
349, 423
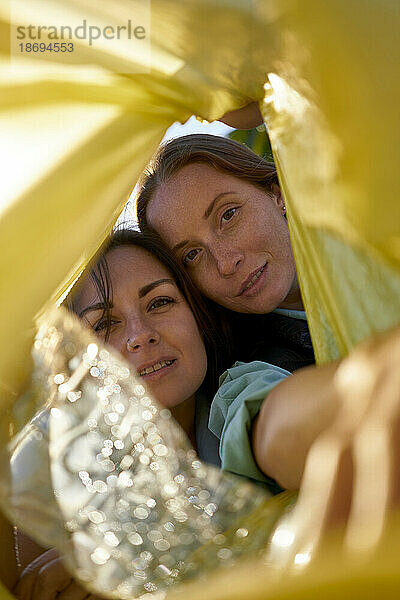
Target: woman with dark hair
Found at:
220, 209
133, 270
216, 337
139, 301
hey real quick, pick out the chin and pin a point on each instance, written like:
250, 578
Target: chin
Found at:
269, 303
260, 306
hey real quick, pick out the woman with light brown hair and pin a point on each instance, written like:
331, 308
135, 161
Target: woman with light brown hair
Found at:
220, 208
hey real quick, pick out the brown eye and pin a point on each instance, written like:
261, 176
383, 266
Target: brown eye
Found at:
103, 325
160, 302
190, 256
228, 215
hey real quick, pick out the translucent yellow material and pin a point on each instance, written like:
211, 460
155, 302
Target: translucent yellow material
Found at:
74, 142
4, 594
331, 109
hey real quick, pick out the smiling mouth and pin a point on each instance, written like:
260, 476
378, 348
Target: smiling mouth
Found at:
253, 280
163, 364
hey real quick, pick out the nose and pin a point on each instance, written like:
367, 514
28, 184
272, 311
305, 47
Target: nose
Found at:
227, 260
140, 336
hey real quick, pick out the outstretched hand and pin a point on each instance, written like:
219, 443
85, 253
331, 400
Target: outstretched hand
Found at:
352, 473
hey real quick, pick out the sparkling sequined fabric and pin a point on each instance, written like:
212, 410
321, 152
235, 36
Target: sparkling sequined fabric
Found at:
105, 474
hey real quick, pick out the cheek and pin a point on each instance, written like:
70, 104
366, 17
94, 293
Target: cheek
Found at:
117, 340
206, 278
117, 345
213, 286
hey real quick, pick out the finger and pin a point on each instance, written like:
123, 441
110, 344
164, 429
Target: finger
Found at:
371, 488
395, 475
342, 492
297, 537
327, 463
39, 561
24, 588
374, 465
51, 579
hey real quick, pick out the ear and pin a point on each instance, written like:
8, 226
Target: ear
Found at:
278, 198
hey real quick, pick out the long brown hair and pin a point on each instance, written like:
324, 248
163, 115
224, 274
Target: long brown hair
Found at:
215, 334
223, 154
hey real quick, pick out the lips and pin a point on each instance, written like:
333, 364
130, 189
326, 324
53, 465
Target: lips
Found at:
156, 367
252, 279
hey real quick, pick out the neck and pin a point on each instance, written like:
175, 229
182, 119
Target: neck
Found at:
184, 414
293, 300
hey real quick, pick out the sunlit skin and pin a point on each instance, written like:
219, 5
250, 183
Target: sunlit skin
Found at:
231, 236
149, 310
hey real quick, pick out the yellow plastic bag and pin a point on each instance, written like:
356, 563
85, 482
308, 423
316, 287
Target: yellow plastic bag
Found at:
74, 142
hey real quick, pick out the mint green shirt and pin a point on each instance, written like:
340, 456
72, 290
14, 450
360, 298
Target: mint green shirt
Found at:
243, 388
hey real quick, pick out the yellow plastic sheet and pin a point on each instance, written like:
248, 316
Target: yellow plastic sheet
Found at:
331, 108
75, 140
73, 143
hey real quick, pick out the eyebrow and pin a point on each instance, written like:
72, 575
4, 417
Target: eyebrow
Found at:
97, 306
179, 246
210, 207
150, 286
207, 213
142, 292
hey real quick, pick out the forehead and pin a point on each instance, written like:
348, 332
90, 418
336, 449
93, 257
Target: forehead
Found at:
129, 267
179, 204
134, 265
192, 180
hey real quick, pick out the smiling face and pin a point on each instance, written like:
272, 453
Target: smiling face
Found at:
231, 236
152, 325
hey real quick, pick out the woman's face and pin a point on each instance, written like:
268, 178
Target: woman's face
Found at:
231, 236
151, 324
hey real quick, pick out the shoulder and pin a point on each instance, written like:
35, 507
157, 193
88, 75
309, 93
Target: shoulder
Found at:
242, 390
242, 375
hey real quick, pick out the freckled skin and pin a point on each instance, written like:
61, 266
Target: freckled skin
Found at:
245, 231
156, 329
